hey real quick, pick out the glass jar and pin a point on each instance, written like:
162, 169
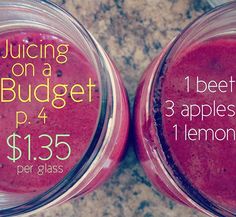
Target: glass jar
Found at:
185, 142
64, 109
215, 3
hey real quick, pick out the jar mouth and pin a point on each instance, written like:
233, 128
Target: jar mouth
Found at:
98, 57
215, 3
195, 33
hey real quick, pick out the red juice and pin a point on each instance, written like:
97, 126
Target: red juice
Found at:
207, 163
207, 158
78, 118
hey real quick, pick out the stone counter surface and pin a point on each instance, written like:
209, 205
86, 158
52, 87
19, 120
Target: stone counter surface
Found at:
132, 32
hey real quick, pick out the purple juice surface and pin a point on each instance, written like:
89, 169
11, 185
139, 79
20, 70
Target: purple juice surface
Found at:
76, 119
208, 164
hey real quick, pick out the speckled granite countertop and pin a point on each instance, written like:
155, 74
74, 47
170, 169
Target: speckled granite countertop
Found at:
132, 32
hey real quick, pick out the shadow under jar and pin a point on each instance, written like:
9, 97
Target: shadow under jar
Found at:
64, 113
185, 115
